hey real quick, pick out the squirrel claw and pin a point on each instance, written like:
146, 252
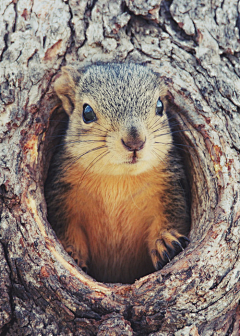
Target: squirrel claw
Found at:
184, 241
167, 247
77, 257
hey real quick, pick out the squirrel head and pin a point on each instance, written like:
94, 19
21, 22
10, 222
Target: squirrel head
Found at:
117, 118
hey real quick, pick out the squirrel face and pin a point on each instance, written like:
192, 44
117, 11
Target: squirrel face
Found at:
117, 118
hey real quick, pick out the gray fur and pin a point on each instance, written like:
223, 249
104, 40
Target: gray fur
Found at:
111, 86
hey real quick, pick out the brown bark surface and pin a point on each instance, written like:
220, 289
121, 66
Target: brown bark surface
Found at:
195, 46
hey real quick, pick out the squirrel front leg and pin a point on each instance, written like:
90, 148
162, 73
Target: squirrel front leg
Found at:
75, 243
164, 243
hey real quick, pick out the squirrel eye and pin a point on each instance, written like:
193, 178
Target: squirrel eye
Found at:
159, 107
88, 114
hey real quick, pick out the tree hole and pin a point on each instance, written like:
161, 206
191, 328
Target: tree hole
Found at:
184, 136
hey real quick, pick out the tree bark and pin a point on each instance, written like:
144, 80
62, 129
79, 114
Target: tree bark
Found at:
195, 47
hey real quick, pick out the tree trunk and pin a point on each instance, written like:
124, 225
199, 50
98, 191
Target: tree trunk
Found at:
195, 47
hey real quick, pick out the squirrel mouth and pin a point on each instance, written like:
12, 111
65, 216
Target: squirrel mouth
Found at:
134, 158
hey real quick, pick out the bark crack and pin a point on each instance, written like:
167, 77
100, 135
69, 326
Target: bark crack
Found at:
230, 329
72, 36
8, 325
5, 38
16, 16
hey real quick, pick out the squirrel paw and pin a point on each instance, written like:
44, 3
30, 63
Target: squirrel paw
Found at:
166, 247
76, 255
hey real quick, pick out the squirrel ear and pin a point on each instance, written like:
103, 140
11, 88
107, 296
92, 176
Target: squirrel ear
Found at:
65, 87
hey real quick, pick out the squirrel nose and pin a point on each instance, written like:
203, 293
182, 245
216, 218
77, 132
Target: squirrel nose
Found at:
134, 144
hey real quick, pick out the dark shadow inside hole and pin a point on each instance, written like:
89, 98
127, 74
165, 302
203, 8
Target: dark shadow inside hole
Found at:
182, 145
184, 138
57, 129
58, 123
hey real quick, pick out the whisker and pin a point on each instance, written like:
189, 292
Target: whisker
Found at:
171, 132
179, 147
183, 145
176, 145
91, 164
161, 159
77, 141
174, 124
100, 130
74, 135
63, 121
102, 126
163, 124
157, 128
168, 154
159, 122
154, 123
167, 120
169, 143
161, 129
75, 123
85, 141
80, 156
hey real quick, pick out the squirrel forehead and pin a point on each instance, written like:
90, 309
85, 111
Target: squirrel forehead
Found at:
125, 90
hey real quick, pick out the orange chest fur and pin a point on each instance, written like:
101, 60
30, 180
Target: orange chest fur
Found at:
105, 204
114, 214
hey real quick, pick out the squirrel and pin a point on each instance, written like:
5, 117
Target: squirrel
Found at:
114, 190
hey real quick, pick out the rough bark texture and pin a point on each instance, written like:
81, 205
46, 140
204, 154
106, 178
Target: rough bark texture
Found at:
195, 46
